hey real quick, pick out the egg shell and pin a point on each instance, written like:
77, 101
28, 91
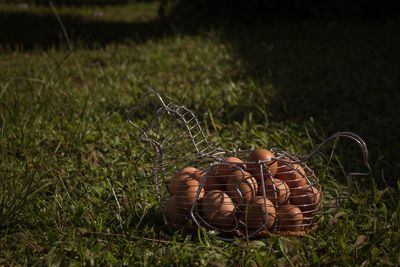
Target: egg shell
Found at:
183, 175
186, 194
284, 165
264, 155
294, 177
290, 218
198, 175
218, 176
257, 211
179, 178
174, 216
245, 183
189, 169
224, 170
213, 181
308, 200
275, 185
218, 209
174, 183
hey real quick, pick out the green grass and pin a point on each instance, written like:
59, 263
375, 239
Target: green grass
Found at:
66, 145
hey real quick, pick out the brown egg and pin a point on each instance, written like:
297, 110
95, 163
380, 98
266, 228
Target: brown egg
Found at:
183, 175
290, 218
275, 185
245, 183
307, 199
198, 175
189, 169
193, 172
294, 177
217, 177
212, 181
265, 155
219, 210
179, 178
172, 213
257, 211
283, 165
227, 169
186, 194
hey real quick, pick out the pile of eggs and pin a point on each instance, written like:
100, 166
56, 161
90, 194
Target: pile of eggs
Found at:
265, 192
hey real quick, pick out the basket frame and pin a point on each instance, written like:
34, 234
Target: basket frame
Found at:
205, 152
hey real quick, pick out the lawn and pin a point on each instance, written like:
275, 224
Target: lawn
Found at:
67, 150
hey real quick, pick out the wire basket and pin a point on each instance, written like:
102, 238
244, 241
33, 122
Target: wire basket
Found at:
230, 193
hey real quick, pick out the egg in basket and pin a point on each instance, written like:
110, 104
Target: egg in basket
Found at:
233, 194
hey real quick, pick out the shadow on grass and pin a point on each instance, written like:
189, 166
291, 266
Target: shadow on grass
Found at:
337, 65
340, 67
28, 30
344, 75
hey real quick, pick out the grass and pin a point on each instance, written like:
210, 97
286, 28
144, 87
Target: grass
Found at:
67, 149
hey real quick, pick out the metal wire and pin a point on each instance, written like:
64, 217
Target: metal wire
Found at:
242, 199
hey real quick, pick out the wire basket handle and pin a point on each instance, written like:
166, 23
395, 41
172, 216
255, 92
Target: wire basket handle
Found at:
358, 140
